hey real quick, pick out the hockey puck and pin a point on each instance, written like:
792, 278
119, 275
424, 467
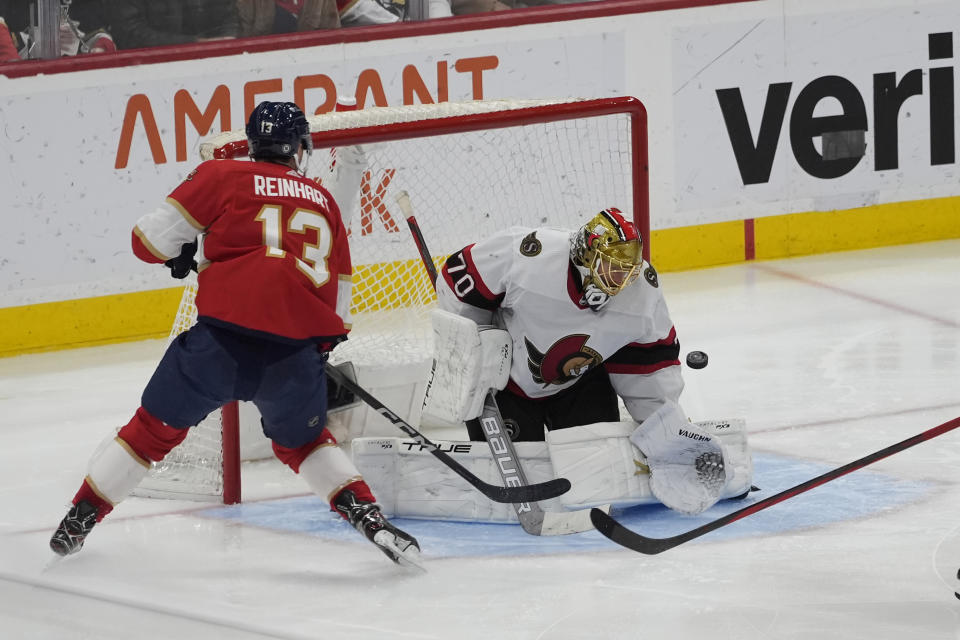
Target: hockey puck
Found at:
697, 359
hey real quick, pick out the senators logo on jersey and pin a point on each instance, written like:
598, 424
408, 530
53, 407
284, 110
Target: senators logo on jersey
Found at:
530, 246
566, 359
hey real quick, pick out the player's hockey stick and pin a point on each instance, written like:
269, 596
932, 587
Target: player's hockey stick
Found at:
403, 200
533, 519
509, 494
650, 546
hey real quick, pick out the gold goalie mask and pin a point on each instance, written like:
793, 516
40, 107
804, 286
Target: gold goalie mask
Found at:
611, 249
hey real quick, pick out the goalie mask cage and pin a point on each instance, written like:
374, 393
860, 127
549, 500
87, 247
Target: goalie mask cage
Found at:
470, 169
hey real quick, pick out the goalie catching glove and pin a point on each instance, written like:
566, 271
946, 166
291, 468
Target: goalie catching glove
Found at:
468, 361
687, 464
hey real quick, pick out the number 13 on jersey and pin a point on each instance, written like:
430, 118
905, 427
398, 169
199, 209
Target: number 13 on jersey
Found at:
312, 260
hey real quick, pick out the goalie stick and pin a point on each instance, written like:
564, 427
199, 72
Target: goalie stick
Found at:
623, 536
512, 494
533, 519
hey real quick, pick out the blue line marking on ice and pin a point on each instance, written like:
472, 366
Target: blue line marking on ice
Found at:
857, 495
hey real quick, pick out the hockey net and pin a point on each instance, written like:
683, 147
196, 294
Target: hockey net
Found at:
470, 169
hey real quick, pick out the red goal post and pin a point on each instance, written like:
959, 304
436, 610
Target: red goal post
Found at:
470, 169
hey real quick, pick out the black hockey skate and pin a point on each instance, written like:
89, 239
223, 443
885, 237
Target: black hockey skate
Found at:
398, 545
73, 529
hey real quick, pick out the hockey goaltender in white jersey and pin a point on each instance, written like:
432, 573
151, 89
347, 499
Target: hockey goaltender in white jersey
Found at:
562, 326
570, 326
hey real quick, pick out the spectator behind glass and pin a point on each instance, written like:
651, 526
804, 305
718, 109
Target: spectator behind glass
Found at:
447, 8
153, 23
262, 17
356, 13
82, 29
8, 47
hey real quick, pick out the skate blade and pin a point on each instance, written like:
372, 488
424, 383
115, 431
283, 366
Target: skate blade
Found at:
408, 558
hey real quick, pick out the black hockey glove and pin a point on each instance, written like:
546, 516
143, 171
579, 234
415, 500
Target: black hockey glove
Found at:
340, 397
181, 266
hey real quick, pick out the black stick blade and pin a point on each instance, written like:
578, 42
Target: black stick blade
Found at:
650, 546
630, 539
530, 492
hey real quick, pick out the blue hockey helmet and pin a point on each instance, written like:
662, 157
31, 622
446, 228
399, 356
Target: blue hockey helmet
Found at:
277, 130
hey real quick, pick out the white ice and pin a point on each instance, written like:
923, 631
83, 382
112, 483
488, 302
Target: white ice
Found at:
828, 358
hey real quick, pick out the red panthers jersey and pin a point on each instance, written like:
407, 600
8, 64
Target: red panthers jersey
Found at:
275, 254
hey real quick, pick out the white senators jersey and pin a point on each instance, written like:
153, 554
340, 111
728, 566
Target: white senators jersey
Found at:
522, 280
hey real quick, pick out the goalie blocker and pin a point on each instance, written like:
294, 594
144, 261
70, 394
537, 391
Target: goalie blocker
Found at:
468, 361
601, 462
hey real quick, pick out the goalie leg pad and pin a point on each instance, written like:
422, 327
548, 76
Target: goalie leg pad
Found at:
409, 482
602, 465
686, 463
468, 361
605, 467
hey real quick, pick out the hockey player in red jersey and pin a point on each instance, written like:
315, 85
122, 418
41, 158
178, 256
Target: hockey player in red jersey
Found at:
274, 298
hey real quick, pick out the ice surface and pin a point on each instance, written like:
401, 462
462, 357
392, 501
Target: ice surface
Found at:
829, 358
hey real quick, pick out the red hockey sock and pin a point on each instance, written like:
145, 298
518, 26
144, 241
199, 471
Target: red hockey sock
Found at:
293, 458
149, 437
360, 489
87, 493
